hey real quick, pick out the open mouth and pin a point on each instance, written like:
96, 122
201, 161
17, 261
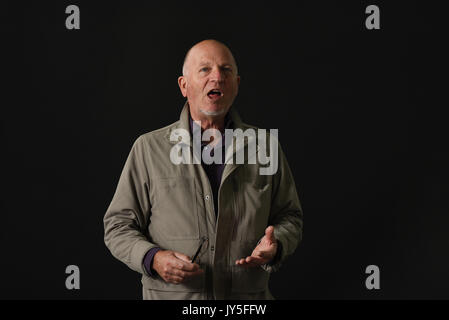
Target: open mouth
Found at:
215, 94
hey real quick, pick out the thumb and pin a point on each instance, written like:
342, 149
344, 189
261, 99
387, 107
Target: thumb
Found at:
269, 233
181, 256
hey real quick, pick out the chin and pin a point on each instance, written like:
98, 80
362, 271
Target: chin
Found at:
214, 111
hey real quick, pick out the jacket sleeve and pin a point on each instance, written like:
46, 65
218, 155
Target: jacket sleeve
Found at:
127, 217
286, 214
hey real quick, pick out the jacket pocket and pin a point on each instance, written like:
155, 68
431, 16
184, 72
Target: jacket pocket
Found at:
195, 284
174, 212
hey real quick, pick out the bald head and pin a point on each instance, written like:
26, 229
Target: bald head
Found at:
206, 45
210, 81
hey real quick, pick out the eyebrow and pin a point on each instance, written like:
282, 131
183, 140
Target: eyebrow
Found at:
223, 65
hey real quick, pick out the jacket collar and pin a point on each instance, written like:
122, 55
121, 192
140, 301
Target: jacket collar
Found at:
184, 121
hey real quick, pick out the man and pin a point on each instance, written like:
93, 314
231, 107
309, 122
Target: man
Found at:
238, 224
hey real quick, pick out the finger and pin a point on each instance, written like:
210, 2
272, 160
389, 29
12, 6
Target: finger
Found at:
185, 274
250, 262
256, 260
177, 273
188, 275
246, 264
188, 266
240, 262
182, 256
180, 265
263, 254
174, 279
269, 233
184, 262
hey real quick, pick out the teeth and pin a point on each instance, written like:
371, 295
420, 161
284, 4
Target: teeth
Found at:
215, 92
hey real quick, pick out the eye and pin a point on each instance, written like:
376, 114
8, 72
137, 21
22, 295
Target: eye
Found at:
204, 69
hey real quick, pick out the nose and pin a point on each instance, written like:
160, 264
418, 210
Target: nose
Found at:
216, 75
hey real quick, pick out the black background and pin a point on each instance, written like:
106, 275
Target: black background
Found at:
362, 137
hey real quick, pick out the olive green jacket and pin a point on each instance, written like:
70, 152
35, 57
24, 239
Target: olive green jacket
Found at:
161, 204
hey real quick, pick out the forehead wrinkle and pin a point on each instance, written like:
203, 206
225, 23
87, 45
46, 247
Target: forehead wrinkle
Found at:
196, 53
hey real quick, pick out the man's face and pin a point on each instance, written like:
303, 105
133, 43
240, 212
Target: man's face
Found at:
211, 81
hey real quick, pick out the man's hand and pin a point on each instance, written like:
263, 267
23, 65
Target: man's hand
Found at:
175, 267
263, 253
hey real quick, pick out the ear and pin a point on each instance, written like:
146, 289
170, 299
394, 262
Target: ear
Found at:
182, 82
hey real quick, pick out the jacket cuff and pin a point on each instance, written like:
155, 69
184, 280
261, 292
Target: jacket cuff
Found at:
148, 261
138, 253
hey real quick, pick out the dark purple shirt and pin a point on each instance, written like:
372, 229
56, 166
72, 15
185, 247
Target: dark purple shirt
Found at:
214, 171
